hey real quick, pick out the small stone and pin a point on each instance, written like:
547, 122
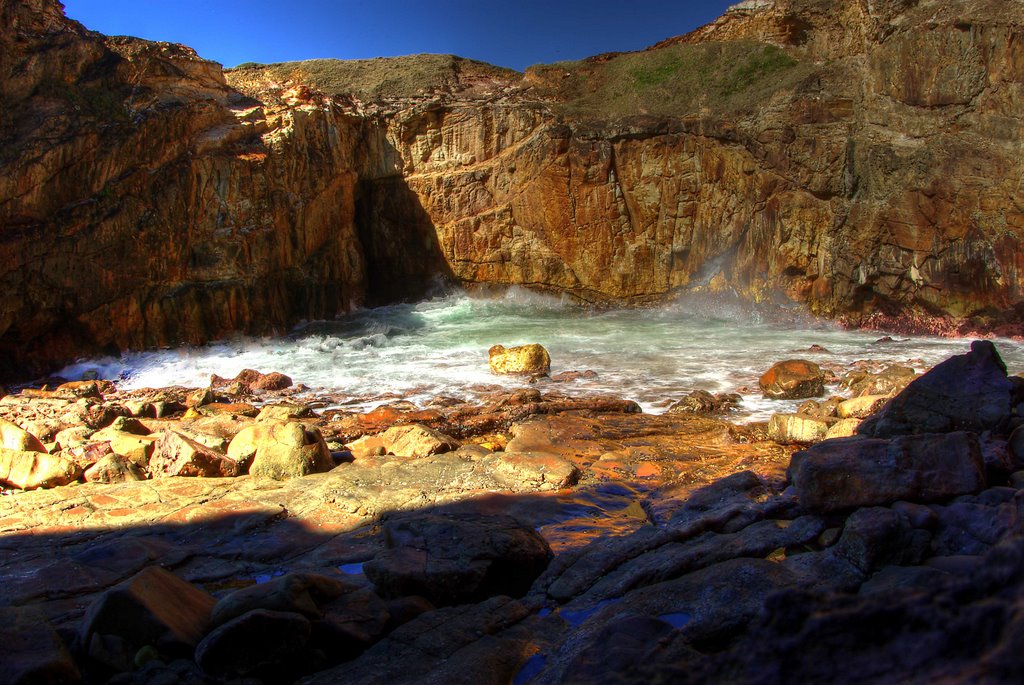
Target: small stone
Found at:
703, 402
844, 428
793, 379
284, 412
199, 397
523, 360
533, 471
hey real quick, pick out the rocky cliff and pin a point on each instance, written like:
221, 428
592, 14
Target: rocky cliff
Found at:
860, 157
144, 202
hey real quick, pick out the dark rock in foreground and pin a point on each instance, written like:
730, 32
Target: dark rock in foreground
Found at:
968, 392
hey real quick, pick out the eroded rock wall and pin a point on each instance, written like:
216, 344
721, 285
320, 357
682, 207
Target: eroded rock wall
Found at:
146, 201
143, 202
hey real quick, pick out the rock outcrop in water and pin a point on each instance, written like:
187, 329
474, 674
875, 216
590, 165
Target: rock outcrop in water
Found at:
859, 157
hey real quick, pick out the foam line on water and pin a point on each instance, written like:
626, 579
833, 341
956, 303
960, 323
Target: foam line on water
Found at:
439, 347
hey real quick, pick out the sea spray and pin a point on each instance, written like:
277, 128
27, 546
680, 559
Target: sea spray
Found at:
439, 347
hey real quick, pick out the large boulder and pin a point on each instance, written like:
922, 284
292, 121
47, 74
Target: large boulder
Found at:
797, 429
179, 455
33, 652
523, 360
458, 557
154, 608
856, 472
281, 450
793, 379
254, 641
32, 470
531, 471
250, 380
412, 440
14, 437
299, 593
113, 468
968, 392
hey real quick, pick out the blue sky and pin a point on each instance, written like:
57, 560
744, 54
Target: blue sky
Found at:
511, 33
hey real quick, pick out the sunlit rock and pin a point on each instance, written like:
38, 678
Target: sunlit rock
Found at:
793, 379
281, 450
524, 360
32, 470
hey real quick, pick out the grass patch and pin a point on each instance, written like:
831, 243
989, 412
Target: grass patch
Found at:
676, 80
758, 67
380, 78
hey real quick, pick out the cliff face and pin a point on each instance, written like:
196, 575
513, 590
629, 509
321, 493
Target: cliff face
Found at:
874, 177
143, 202
861, 157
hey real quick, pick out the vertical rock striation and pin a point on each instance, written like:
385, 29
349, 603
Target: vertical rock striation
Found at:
861, 158
144, 202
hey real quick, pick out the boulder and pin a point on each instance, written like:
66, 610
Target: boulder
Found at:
14, 437
359, 618
843, 428
523, 360
457, 557
299, 593
412, 440
793, 379
889, 381
967, 392
138, 449
252, 380
856, 472
703, 402
155, 608
113, 468
284, 412
32, 651
254, 641
178, 455
281, 450
32, 470
861, 407
796, 429
532, 471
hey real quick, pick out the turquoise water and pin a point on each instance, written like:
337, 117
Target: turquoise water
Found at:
439, 347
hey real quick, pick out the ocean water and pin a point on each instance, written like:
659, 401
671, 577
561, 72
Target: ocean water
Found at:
439, 347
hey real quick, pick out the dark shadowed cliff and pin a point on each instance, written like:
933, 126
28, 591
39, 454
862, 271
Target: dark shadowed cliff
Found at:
861, 157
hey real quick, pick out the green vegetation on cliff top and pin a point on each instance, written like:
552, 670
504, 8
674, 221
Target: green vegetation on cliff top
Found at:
383, 77
675, 80
671, 81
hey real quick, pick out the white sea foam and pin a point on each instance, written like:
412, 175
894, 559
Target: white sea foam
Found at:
439, 347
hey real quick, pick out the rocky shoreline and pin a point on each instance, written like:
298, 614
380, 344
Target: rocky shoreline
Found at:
529, 538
